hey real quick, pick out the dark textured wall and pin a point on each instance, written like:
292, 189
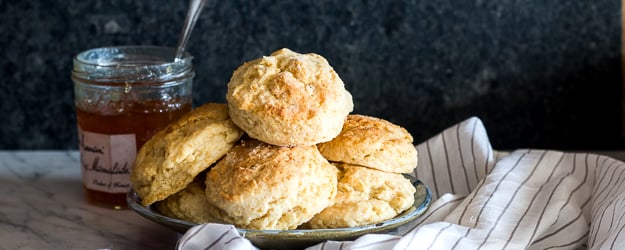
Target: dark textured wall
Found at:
538, 73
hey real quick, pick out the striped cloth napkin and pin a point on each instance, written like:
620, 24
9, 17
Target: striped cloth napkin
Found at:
486, 199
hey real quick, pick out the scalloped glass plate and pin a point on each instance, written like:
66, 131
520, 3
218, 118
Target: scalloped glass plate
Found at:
298, 238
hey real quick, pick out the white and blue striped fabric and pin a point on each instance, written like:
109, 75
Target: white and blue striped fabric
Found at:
486, 199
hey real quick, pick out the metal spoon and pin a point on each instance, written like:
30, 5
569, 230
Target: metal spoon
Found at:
195, 7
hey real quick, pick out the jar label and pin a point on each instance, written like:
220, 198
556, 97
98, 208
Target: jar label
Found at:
106, 160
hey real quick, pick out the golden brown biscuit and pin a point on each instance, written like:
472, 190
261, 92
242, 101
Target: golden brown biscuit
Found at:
288, 99
189, 204
365, 196
262, 186
374, 143
170, 160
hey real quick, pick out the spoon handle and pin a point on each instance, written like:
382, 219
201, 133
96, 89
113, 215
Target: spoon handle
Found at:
195, 7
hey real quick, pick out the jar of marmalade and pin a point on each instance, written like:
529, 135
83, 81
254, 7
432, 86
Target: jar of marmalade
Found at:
123, 96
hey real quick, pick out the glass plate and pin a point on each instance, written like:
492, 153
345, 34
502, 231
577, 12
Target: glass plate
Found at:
298, 238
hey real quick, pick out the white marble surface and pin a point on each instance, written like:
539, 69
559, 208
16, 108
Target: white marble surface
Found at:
42, 207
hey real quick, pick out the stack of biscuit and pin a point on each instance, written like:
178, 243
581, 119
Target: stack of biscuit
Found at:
284, 152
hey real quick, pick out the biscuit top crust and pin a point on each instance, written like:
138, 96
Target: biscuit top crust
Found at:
286, 84
288, 99
253, 167
170, 160
262, 186
365, 196
374, 128
372, 142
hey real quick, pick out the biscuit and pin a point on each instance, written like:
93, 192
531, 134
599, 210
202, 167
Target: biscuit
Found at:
288, 99
262, 186
365, 196
374, 143
189, 204
170, 160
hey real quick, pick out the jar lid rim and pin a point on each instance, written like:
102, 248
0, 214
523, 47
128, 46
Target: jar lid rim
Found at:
138, 62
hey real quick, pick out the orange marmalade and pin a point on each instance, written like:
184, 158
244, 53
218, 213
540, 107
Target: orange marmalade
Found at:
123, 96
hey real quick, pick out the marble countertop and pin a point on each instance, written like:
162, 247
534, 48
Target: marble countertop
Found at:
42, 207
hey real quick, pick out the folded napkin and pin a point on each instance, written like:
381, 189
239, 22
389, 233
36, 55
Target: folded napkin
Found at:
486, 199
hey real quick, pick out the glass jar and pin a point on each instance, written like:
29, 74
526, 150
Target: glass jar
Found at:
123, 96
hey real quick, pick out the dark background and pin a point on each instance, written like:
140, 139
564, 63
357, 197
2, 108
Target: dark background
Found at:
540, 74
